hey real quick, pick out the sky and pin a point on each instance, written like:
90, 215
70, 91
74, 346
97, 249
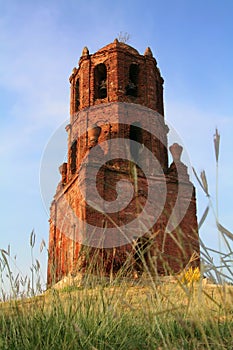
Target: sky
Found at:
41, 42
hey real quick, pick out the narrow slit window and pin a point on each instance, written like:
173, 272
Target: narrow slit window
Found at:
135, 134
100, 81
73, 156
77, 95
132, 87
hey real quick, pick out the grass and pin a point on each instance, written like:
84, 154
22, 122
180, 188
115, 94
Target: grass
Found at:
127, 315
151, 312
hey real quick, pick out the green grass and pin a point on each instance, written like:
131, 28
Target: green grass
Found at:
124, 316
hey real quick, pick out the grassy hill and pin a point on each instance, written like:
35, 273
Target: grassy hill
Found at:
123, 314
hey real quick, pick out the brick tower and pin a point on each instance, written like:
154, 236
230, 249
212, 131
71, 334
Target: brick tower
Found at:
117, 95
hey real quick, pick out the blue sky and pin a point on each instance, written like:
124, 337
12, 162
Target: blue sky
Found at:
41, 42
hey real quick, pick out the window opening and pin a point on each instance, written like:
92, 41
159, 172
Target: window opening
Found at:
100, 81
73, 157
132, 87
77, 95
135, 134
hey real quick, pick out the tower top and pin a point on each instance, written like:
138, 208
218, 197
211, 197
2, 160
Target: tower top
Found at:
116, 44
116, 73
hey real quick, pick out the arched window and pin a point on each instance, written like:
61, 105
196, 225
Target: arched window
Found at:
77, 95
73, 155
100, 81
135, 134
132, 87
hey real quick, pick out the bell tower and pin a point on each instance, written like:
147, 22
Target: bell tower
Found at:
116, 73
117, 95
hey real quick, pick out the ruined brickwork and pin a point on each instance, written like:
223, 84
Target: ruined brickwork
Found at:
117, 94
